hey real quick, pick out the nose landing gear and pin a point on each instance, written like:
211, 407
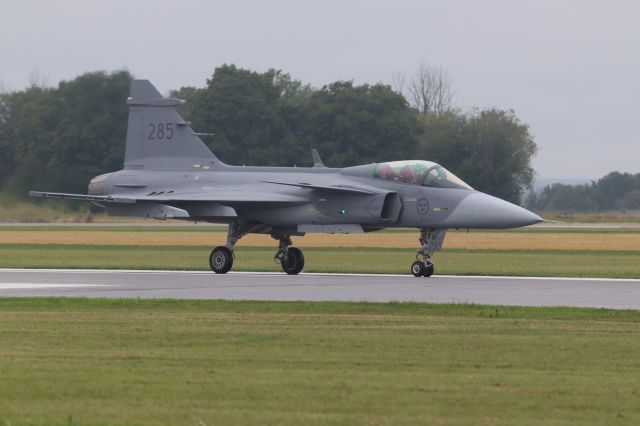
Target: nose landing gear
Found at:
422, 268
431, 241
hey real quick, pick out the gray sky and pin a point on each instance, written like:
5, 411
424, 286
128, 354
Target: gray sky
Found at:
570, 69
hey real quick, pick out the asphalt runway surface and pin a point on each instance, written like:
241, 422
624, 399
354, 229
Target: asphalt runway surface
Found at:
522, 291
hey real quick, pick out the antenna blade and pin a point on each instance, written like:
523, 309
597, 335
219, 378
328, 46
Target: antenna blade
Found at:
317, 161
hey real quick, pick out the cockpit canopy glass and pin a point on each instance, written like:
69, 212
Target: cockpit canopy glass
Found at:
439, 177
410, 171
418, 172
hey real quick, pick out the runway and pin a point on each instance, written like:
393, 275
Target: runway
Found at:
522, 291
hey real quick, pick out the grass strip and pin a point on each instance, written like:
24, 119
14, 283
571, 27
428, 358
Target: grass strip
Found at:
606, 264
76, 361
386, 240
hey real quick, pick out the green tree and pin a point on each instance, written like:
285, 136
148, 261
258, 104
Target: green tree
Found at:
244, 110
30, 117
58, 138
570, 198
490, 149
613, 188
7, 151
64, 136
613, 191
270, 119
631, 201
360, 124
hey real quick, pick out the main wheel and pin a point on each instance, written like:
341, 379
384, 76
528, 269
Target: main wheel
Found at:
417, 268
428, 270
293, 263
221, 260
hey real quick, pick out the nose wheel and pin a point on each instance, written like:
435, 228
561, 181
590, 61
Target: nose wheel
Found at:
420, 269
431, 240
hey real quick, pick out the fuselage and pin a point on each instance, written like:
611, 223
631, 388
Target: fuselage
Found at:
329, 199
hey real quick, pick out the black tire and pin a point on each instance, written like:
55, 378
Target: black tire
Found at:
221, 260
428, 271
417, 268
294, 262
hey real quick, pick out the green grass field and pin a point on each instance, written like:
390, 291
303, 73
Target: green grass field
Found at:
619, 264
86, 362
598, 252
76, 361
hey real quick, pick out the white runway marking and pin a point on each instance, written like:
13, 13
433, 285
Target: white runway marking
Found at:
319, 274
521, 291
34, 286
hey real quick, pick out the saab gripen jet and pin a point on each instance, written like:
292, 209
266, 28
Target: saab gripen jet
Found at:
169, 173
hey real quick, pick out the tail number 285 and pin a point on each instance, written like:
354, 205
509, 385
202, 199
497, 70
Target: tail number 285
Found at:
160, 131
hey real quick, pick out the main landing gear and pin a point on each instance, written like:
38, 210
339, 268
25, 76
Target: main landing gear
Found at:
221, 258
290, 258
431, 241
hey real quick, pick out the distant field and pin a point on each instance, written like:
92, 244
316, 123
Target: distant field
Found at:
530, 239
604, 217
81, 362
357, 260
58, 211
532, 252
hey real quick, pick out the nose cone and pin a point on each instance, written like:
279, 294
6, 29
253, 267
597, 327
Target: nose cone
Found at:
480, 210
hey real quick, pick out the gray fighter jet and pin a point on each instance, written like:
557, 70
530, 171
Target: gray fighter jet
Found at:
169, 173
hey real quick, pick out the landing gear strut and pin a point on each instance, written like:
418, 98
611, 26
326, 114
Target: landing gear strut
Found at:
431, 241
290, 258
221, 257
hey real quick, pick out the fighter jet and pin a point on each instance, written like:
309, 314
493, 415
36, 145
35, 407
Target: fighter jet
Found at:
169, 173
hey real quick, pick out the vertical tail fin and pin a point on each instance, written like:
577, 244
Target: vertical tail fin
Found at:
157, 137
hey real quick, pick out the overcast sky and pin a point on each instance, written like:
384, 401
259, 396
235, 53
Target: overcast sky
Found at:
569, 69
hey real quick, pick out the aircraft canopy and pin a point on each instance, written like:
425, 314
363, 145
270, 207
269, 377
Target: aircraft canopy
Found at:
418, 172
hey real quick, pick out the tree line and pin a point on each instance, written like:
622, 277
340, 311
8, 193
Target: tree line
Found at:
57, 138
615, 191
